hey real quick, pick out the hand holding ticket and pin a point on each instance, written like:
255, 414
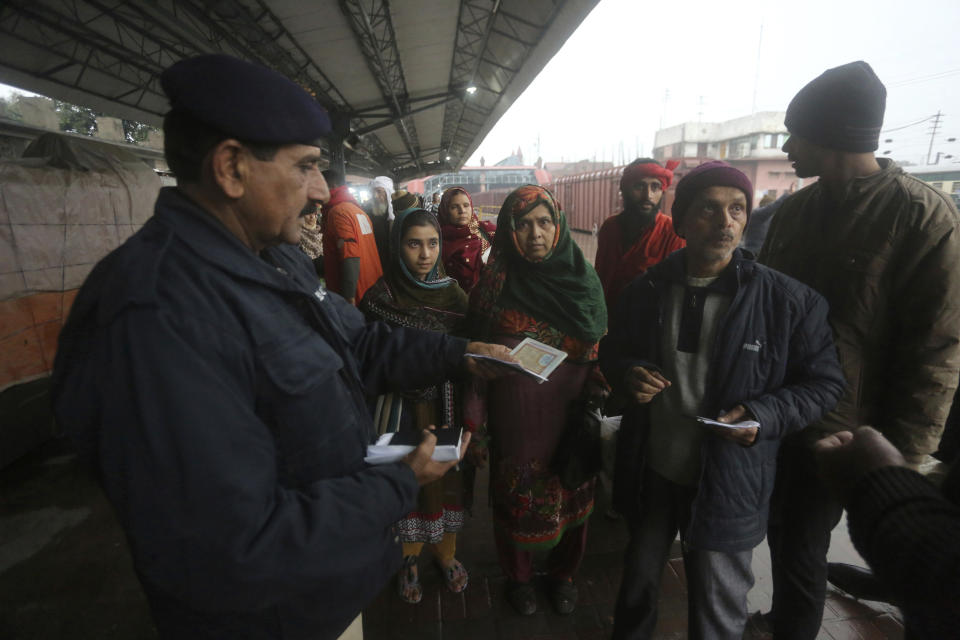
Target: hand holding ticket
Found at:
743, 424
733, 426
531, 357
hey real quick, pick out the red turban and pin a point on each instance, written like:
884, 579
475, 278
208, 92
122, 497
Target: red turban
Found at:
638, 170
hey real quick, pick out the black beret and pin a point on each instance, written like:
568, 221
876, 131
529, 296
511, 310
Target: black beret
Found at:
245, 100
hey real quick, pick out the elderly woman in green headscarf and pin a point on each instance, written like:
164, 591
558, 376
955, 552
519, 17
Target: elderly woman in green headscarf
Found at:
537, 285
415, 292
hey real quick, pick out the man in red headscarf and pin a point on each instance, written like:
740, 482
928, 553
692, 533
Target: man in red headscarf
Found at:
640, 236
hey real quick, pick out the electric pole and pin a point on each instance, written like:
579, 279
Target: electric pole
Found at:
933, 134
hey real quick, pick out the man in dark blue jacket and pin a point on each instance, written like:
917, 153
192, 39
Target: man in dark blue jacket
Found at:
220, 389
709, 333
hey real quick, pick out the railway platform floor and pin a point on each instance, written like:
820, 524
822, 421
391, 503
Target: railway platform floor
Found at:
65, 573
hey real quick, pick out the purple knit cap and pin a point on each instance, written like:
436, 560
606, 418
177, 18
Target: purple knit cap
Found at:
715, 173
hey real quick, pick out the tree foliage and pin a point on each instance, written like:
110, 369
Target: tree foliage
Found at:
76, 119
136, 132
9, 108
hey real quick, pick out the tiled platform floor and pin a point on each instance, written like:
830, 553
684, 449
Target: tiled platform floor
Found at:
482, 611
65, 572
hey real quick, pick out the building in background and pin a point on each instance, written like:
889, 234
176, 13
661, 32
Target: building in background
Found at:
750, 143
508, 173
939, 177
560, 169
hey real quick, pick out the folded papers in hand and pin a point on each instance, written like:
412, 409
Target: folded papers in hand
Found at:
391, 447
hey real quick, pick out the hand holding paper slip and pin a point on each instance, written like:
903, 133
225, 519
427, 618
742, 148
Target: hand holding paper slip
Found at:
535, 359
392, 447
745, 424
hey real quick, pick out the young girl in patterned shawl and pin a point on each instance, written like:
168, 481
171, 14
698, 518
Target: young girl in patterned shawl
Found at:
537, 284
465, 237
311, 239
415, 292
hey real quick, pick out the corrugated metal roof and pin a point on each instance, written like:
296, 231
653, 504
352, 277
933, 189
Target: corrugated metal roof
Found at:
395, 71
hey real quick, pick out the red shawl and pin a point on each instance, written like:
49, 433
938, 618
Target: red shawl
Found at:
618, 266
463, 246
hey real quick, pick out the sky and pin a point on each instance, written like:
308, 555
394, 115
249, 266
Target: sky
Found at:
634, 66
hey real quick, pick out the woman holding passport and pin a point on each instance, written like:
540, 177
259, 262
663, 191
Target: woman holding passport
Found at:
415, 292
537, 285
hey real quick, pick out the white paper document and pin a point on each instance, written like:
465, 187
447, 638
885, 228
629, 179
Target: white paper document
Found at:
383, 452
536, 359
745, 424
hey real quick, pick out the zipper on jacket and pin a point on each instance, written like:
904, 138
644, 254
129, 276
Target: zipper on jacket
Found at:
714, 362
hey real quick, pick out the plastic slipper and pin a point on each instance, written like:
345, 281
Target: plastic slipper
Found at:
408, 581
456, 577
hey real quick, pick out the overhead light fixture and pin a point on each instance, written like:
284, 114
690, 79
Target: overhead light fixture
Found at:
448, 158
471, 90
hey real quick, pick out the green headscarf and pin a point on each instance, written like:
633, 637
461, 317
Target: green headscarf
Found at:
562, 289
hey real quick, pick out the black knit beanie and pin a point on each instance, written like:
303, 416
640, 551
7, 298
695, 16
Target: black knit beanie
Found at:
842, 109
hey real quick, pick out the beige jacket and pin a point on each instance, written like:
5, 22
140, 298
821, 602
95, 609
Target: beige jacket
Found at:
887, 259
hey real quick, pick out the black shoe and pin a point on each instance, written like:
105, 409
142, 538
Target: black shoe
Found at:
563, 596
858, 582
522, 597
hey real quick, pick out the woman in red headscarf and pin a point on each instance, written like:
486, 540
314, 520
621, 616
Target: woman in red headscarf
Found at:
465, 238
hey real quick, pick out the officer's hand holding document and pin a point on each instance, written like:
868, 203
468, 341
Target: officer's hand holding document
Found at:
391, 447
533, 358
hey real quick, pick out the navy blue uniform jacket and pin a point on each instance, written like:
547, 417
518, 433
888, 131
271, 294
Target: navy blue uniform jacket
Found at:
221, 395
773, 353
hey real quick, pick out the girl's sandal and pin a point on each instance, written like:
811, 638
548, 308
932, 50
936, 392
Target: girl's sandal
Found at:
455, 576
408, 581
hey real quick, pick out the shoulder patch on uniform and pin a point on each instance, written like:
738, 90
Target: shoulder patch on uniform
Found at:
365, 227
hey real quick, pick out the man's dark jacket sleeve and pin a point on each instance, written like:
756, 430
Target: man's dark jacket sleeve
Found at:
907, 530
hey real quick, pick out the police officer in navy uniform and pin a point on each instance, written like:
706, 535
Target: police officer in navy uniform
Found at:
220, 390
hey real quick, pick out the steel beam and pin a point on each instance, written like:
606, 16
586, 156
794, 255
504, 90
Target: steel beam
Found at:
372, 28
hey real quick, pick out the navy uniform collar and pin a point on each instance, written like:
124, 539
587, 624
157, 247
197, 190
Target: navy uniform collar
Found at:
212, 242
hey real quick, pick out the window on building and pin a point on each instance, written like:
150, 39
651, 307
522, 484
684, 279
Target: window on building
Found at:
936, 185
773, 174
770, 141
956, 186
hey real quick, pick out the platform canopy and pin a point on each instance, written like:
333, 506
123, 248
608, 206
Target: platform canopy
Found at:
413, 86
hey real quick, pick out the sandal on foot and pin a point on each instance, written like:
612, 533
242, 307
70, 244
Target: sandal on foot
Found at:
563, 596
408, 581
522, 597
455, 576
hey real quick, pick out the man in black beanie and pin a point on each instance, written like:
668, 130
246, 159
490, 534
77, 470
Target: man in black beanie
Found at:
884, 249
